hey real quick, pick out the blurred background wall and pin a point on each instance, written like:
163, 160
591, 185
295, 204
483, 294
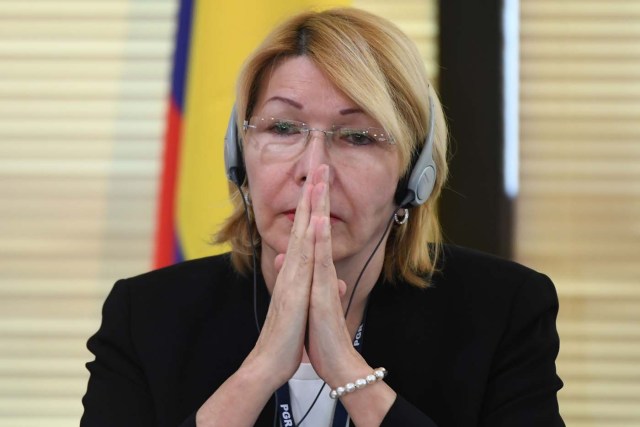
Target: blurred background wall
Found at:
82, 103
578, 211
83, 89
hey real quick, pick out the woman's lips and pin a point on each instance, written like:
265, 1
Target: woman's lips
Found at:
290, 214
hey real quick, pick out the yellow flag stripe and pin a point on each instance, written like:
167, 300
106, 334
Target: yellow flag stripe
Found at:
224, 33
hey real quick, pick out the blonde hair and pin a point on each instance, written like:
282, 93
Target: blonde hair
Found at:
380, 69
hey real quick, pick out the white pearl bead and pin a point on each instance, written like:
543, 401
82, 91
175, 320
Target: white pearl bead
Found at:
340, 391
333, 394
350, 387
371, 379
361, 382
379, 374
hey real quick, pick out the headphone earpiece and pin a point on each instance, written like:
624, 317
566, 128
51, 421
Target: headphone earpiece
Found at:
416, 186
233, 162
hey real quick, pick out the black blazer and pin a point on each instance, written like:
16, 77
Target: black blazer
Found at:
477, 348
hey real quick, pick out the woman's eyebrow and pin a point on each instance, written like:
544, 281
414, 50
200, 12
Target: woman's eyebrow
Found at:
353, 110
343, 112
286, 101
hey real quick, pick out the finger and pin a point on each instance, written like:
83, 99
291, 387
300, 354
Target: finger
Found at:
301, 240
321, 174
324, 272
302, 215
278, 262
320, 205
327, 325
342, 288
300, 229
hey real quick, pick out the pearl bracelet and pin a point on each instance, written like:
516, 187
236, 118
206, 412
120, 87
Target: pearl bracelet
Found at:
378, 375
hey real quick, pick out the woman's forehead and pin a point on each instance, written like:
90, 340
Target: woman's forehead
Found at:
298, 81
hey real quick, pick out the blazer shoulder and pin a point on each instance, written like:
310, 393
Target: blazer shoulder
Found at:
187, 290
487, 273
212, 267
212, 276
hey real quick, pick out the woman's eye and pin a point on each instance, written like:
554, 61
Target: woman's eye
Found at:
284, 128
357, 137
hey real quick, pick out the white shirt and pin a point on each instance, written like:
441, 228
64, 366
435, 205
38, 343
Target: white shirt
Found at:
303, 388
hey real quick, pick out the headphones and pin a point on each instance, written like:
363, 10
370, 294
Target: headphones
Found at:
413, 189
233, 162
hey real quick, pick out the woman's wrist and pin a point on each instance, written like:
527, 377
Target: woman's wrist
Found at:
264, 371
369, 406
239, 400
347, 369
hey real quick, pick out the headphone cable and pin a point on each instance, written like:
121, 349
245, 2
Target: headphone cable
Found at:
254, 257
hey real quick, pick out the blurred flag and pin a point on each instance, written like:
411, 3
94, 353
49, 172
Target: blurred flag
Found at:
212, 40
168, 249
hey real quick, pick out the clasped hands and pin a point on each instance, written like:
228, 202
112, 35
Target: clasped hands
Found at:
305, 316
306, 311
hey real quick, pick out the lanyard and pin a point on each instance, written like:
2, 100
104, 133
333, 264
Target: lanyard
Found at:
284, 399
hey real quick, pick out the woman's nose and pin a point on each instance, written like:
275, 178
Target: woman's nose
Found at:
315, 153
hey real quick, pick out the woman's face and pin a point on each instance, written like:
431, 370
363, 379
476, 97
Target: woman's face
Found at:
362, 178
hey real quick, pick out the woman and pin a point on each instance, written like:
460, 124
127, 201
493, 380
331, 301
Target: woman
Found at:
334, 111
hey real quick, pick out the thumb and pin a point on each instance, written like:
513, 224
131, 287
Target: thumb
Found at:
342, 287
278, 262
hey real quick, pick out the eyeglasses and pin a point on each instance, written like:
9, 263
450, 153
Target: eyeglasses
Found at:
290, 136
